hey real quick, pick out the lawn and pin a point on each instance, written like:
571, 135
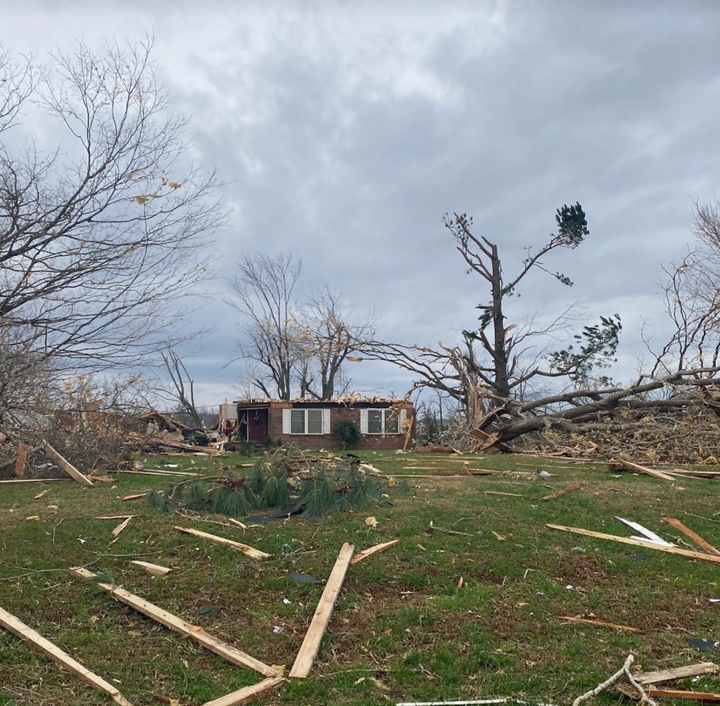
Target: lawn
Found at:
438, 616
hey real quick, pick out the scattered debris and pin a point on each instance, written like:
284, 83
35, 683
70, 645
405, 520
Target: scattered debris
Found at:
300, 578
692, 670
647, 535
244, 548
195, 632
42, 494
693, 535
246, 693
20, 460
600, 623
371, 522
24, 632
66, 465
323, 612
557, 493
137, 496
498, 492
621, 464
637, 543
449, 531
116, 532
497, 536
365, 553
703, 644
154, 569
624, 671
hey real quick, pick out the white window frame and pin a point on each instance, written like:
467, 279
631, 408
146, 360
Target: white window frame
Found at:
324, 422
384, 413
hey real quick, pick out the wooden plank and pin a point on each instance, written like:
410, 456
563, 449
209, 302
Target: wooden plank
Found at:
311, 644
137, 496
24, 632
20, 460
629, 466
691, 670
637, 543
246, 693
599, 623
152, 472
499, 492
244, 548
195, 632
365, 553
673, 522
120, 528
694, 473
681, 694
567, 489
154, 569
31, 480
66, 465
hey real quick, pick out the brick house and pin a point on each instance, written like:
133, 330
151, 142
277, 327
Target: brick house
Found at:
310, 423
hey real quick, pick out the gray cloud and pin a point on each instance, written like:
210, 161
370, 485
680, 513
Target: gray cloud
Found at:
345, 134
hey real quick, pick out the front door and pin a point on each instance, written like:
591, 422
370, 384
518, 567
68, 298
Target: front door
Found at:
257, 426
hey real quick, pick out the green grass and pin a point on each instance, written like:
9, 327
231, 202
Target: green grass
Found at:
402, 629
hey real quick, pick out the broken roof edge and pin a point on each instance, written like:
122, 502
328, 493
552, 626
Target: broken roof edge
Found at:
335, 401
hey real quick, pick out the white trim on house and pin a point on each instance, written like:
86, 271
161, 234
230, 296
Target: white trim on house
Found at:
363, 421
286, 421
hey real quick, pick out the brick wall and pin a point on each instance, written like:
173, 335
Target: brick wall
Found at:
313, 442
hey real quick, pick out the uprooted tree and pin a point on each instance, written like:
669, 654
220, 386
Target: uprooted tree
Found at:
102, 235
487, 374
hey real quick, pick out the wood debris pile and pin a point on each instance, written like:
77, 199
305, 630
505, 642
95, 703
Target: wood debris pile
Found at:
688, 436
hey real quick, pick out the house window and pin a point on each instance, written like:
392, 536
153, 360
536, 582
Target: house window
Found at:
383, 421
306, 421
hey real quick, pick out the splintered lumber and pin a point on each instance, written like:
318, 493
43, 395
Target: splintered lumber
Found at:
318, 624
567, 489
153, 472
30, 480
692, 670
637, 543
20, 460
244, 548
24, 632
121, 527
499, 492
246, 693
629, 466
694, 473
599, 623
154, 569
681, 694
466, 471
73, 472
661, 693
365, 553
673, 522
195, 632
137, 496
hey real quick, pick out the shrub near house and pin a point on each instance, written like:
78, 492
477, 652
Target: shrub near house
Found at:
310, 424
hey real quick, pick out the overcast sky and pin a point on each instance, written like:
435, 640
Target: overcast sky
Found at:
345, 130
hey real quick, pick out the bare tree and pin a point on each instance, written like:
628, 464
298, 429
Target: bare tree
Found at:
102, 237
262, 291
497, 360
181, 388
327, 337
